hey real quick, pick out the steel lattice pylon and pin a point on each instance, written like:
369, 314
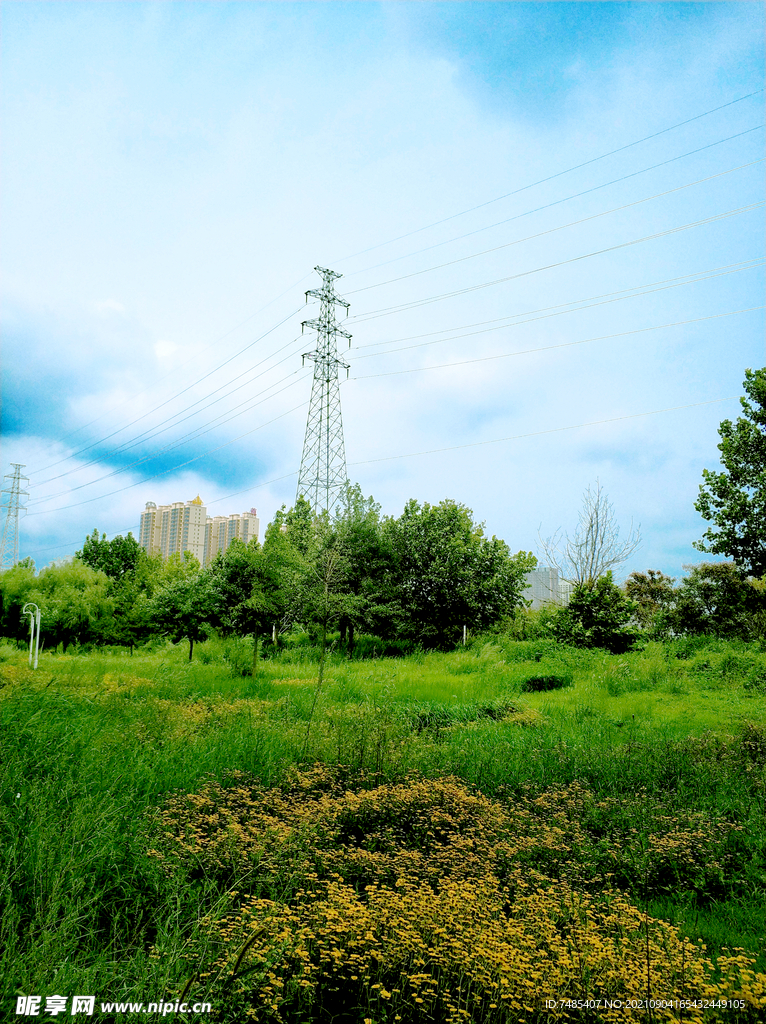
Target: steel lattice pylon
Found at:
9, 545
322, 475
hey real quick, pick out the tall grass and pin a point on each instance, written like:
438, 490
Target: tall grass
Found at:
93, 745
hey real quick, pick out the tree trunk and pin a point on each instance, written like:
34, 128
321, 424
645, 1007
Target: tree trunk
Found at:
350, 640
191, 648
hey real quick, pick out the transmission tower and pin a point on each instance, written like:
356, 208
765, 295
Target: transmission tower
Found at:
322, 476
9, 545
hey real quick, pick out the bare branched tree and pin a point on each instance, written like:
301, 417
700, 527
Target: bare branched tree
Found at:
596, 546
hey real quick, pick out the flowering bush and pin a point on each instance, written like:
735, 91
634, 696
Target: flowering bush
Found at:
425, 901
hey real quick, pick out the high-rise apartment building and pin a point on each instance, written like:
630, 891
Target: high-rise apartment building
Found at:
545, 587
167, 529
186, 526
220, 531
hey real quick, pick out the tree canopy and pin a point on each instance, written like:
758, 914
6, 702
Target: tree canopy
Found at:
114, 557
598, 615
734, 500
447, 574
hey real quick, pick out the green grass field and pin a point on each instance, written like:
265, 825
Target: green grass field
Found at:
584, 777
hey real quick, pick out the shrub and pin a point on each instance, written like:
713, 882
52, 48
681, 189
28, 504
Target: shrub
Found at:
531, 650
756, 678
535, 684
685, 647
597, 616
238, 655
528, 623
716, 598
425, 901
368, 646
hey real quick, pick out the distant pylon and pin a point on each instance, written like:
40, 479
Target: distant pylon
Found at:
322, 476
9, 545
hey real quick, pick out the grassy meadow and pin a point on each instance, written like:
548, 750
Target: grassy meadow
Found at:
439, 837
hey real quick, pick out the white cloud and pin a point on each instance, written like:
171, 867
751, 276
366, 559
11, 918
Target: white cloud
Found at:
200, 197
109, 305
166, 349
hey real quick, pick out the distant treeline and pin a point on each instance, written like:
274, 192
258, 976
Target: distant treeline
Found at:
420, 577
412, 581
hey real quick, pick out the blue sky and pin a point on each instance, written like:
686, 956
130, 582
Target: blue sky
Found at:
173, 172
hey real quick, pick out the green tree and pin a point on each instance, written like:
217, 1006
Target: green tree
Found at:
447, 574
76, 603
654, 596
176, 567
132, 621
367, 552
234, 573
290, 543
16, 585
117, 557
187, 608
715, 598
298, 524
135, 577
735, 499
598, 615
252, 585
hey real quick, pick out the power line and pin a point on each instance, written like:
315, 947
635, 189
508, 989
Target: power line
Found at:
538, 433
425, 227
193, 435
556, 202
558, 174
154, 431
247, 490
413, 455
172, 469
551, 177
406, 306
171, 373
559, 227
251, 403
420, 302
546, 348
173, 397
209, 504
576, 305
172, 446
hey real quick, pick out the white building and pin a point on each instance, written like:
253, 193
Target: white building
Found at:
545, 587
186, 526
